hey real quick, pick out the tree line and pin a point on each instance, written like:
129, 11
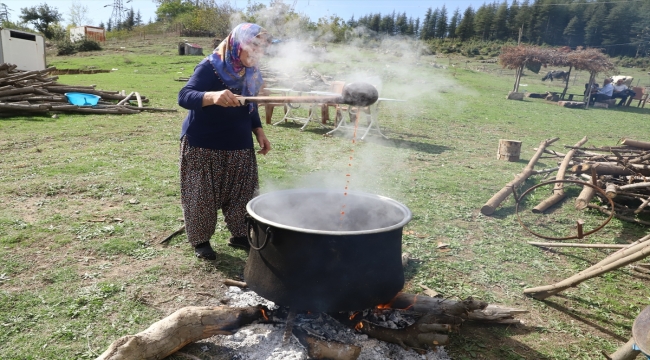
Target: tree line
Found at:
621, 27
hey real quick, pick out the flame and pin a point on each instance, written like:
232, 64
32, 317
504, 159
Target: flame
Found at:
358, 326
264, 314
354, 315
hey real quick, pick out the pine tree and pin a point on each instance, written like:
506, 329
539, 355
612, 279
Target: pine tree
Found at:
483, 21
424, 35
433, 24
453, 24
138, 19
109, 25
513, 27
571, 30
594, 27
523, 20
465, 29
441, 31
500, 23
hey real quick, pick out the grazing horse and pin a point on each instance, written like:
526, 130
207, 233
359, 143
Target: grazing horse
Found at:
556, 74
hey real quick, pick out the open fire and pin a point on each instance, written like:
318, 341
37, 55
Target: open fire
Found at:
264, 340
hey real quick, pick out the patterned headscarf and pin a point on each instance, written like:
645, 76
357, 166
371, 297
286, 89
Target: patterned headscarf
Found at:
227, 63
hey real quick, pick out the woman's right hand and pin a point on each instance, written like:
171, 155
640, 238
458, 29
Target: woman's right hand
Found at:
223, 98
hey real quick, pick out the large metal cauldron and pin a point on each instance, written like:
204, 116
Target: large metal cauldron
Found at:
309, 256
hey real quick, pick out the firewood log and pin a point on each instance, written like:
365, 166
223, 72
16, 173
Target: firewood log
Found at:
558, 190
324, 349
491, 205
186, 325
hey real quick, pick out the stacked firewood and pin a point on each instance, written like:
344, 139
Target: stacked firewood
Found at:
623, 172
25, 92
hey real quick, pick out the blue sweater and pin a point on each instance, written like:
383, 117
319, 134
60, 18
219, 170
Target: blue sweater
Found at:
215, 127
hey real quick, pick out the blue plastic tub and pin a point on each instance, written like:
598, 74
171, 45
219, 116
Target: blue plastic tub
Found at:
82, 99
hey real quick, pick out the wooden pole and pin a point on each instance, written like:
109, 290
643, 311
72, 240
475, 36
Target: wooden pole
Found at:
625, 352
575, 245
558, 191
625, 257
566, 86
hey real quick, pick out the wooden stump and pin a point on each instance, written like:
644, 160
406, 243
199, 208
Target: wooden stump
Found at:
515, 96
509, 150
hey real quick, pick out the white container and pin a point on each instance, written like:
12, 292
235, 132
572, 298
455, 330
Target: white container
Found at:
26, 50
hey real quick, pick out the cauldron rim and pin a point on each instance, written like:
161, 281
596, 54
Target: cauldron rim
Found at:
407, 215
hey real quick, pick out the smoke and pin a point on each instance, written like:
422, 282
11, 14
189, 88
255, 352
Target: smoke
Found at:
396, 66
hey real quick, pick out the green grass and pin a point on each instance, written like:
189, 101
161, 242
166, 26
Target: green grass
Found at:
85, 199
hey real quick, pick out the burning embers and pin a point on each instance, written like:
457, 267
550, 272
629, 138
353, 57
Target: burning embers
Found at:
318, 335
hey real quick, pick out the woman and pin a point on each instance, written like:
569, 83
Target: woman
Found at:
218, 168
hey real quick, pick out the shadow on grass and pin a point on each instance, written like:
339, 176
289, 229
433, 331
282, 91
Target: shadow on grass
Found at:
490, 341
583, 319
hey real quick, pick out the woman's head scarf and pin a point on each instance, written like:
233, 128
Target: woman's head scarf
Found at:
227, 63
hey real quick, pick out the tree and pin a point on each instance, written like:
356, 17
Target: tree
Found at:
78, 15
424, 35
129, 22
109, 25
571, 30
4, 12
594, 28
483, 21
441, 30
169, 9
513, 27
465, 29
101, 25
138, 19
453, 24
41, 17
500, 24
523, 20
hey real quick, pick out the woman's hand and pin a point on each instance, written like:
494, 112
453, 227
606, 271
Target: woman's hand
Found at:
265, 144
223, 98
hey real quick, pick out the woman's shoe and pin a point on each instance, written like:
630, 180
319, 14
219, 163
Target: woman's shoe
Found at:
240, 242
204, 251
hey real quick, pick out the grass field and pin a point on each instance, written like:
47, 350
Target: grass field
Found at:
85, 198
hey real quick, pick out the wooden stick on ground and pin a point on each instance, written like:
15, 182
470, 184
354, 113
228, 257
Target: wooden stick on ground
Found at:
127, 98
625, 352
624, 257
558, 191
171, 236
186, 325
574, 245
491, 205
139, 99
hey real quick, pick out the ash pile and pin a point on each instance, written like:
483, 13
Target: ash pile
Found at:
287, 338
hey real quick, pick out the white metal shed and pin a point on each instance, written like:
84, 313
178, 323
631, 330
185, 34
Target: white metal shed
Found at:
26, 50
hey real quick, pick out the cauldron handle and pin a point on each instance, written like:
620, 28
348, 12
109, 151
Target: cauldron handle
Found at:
268, 234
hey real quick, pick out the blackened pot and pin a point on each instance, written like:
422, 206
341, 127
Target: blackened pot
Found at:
323, 250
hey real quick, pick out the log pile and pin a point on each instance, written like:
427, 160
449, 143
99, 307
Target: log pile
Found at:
622, 172
31, 92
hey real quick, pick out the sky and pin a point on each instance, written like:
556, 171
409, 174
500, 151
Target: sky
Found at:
315, 9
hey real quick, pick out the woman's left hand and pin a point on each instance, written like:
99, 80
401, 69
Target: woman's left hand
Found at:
265, 144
